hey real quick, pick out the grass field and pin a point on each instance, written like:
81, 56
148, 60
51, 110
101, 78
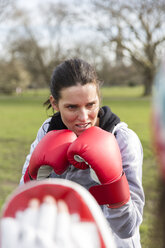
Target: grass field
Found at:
22, 115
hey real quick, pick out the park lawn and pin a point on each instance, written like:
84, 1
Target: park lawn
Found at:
22, 115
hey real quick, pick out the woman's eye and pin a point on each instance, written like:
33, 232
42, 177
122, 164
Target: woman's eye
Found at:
71, 107
90, 105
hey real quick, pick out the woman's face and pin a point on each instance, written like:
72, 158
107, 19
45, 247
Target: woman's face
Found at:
78, 106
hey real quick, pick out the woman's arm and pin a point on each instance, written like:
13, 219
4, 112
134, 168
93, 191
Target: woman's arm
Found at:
127, 219
41, 133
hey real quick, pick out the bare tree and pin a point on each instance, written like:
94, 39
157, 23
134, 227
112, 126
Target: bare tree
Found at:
38, 55
138, 28
5, 9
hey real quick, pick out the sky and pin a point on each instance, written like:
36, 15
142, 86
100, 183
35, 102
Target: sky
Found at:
82, 30
31, 6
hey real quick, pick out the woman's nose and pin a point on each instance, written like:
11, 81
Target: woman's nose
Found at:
83, 115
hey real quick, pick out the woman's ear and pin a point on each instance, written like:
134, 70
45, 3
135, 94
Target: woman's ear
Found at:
53, 103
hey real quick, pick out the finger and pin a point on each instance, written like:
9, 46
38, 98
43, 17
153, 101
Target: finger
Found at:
62, 207
62, 235
29, 215
47, 216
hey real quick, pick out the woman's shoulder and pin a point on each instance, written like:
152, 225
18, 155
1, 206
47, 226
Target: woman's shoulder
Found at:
130, 146
44, 128
126, 136
123, 130
46, 123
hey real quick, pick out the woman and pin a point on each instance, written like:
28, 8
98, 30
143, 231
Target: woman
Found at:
76, 98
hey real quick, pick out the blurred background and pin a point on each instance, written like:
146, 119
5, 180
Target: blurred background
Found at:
124, 40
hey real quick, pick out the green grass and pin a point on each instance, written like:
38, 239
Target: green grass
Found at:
21, 116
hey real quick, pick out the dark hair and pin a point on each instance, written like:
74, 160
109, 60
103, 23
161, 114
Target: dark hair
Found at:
70, 73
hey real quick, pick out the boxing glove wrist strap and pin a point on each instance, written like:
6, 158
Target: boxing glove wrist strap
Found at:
30, 176
114, 194
27, 176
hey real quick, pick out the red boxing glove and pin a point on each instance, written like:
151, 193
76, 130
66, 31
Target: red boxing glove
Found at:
52, 151
98, 149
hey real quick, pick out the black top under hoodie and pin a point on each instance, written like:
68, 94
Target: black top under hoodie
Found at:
108, 120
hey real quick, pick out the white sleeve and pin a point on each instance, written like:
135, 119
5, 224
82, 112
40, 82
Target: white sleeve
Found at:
125, 221
41, 133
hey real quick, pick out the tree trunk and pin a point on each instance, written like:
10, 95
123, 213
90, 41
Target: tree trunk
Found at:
148, 75
147, 88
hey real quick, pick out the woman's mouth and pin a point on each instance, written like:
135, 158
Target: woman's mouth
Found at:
82, 126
